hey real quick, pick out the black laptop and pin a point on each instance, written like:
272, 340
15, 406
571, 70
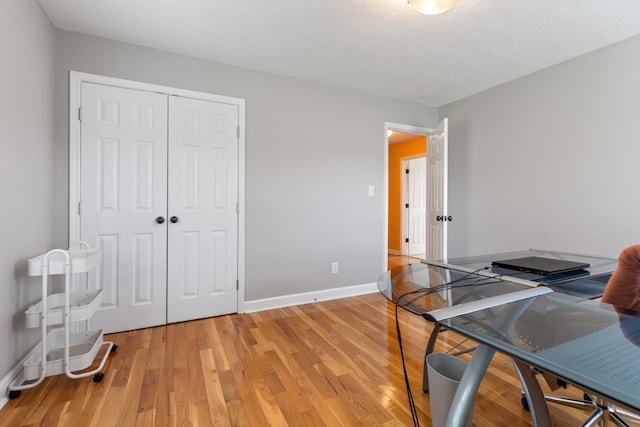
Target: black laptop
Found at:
540, 265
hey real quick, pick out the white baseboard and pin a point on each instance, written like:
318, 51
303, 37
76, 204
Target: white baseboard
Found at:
309, 297
9, 379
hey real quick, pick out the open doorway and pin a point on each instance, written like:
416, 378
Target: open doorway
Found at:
404, 144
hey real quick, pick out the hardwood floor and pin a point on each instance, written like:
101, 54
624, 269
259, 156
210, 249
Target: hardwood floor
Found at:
397, 260
333, 363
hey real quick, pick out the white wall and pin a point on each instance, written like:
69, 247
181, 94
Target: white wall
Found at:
311, 152
550, 160
26, 186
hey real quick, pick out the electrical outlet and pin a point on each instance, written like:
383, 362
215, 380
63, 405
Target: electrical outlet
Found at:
334, 268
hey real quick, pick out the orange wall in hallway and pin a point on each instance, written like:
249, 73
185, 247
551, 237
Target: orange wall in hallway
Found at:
397, 153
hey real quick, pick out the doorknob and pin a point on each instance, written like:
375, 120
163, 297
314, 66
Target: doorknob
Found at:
160, 219
173, 219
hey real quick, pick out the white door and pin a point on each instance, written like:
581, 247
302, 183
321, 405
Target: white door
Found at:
437, 148
202, 212
123, 190
168, 228
417, 205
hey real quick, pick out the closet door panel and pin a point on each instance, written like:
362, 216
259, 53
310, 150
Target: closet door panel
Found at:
123, 192
203, 195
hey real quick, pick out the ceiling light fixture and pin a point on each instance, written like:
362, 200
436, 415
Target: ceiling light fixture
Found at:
432, 7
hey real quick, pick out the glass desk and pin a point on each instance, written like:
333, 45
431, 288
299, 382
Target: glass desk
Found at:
586, 343
588, 282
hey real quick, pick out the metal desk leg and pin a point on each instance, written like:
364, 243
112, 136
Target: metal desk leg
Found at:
540, 416
465, 396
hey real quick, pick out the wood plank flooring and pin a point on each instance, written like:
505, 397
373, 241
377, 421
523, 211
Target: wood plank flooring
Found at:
333, 363
398, 260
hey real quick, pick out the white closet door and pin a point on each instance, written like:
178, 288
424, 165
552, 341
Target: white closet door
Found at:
203, 219
123, 192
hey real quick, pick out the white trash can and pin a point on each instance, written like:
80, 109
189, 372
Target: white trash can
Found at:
444, 372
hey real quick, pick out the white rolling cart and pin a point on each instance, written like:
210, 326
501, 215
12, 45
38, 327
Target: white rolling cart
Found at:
60, 350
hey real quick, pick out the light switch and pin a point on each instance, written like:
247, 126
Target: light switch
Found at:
372, 190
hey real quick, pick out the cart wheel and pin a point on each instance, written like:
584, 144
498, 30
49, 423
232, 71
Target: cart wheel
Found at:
114, 348
525, 404
13, 394
98, 377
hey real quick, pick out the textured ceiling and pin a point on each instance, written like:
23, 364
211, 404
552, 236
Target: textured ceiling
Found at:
377, 46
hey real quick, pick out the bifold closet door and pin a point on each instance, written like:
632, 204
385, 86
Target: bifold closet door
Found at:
159, 195
202, 212
124, 202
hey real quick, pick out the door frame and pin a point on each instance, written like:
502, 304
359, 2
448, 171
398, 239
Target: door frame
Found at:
400, 128
75, 82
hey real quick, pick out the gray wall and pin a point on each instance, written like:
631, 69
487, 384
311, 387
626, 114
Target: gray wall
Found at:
26, 187
311, 152
550, 160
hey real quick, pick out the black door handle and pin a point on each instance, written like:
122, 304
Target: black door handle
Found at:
173, 219
160, 219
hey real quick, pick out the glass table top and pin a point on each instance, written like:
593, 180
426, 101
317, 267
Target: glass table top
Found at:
588, 282
598, 265
589, 344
